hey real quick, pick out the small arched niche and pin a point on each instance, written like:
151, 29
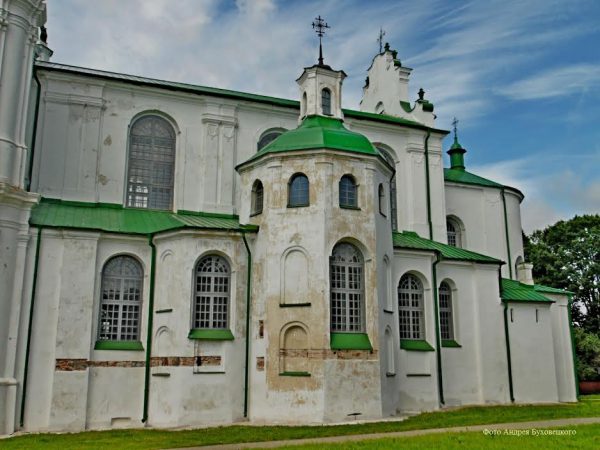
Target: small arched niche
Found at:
294, 283
294, 349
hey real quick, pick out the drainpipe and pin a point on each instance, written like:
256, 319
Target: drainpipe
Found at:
150, 323
437, 328
247, 357
575, 377
506, 234
30, 324
427, 185
35, 126
507, 340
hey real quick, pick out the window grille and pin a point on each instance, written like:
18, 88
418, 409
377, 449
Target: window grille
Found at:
121, 299
410, 308
326, 102
212, 291
453, 231
348, 192
393, 200
347, 289
446, 325
298, 190
267, 138
151, 164
257, 197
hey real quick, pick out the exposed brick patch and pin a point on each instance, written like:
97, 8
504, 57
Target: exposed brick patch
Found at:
70, 365
260, 363
328, 354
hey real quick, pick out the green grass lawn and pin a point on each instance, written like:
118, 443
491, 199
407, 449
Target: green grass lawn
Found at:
589, 406
585, 437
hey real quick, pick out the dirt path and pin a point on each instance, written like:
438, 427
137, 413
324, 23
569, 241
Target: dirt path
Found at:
362, 437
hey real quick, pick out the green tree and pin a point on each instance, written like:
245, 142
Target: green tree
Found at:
566, 255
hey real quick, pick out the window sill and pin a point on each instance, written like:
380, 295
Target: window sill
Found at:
350, 341
416, 345
119, 345
294, 305
389, 311
450, 343
257, 213
211, 335
304, 205
294, 374
355, 208
390, 374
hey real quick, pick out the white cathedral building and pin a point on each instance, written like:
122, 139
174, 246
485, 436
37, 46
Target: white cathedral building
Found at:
177, 255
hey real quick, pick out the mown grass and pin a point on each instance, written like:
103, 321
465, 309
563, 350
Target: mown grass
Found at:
585, 437
589, 406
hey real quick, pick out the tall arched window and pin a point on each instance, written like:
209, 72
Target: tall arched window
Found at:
346, 283
151, 164
257, 197
411, 308
267, 137
393, 207
326, 102
303, 105
348, 192
121, 299
298, 190
381, 196
453, 230
211, 293
446, 319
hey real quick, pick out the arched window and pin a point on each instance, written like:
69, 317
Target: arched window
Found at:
211, 293
393, 208
298, 190
267, 137
453, 230
446, 319
379, 109
257, 197
303, 105
121, 299
348, 197
518, 261
347, 289
151, 164
326, 102
381, 196
410, 308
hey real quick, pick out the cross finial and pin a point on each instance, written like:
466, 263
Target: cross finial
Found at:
454, 123
319, 25
380, 39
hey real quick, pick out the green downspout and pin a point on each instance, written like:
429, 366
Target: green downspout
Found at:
437, 328
506, 234
247, 360
150, 324
428, 187
506, 339
30, 324
575, 377
35, 126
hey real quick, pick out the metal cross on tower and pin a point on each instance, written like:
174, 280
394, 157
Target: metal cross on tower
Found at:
380, 39
319, 25
454, 123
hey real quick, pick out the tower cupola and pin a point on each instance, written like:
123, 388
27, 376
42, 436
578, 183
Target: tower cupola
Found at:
456, 152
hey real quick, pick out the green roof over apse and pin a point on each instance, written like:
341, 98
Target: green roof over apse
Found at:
411, 240
117, 219
318, 132
515, 291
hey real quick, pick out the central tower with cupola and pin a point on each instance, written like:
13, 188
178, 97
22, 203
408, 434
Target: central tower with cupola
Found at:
315, 192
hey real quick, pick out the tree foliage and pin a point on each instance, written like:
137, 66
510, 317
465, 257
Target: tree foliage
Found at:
566, 255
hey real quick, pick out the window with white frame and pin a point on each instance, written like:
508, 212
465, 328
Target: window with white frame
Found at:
326, 102
151, 164
446, 319
211, 293
348, 192
120, 299
393, 206
347, 289
298, 193
257, 197
410, 308
453, 231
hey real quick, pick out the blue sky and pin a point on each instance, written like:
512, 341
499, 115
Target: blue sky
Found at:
522, 77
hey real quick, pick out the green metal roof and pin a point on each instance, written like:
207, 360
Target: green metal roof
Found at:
318, 132
551, 290
116, 219
514, 291
223, 93
463, 177
411, 240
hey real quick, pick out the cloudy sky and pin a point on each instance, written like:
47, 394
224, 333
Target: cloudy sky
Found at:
522, 76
